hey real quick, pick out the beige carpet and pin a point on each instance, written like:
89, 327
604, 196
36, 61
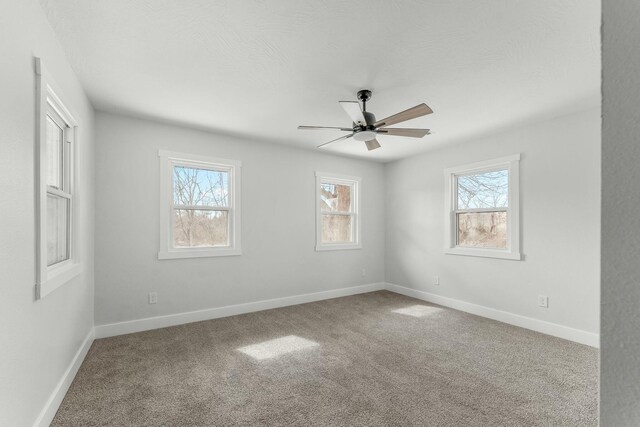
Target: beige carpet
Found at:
371, 359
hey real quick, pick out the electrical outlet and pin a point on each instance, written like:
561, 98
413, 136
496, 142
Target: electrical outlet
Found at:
435, 281
153, 297
543, 301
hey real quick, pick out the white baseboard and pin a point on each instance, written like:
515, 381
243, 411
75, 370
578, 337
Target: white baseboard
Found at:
149, 323
565, 332
102, 331
55, 399
139, 325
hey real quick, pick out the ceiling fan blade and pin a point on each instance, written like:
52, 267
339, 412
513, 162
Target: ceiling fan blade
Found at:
324, 127
372, 144
411, 113
413, 133
354, 111
335, 140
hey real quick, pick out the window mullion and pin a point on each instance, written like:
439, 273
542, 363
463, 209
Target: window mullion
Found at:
56, 192
344, 213
481, 210
201, 208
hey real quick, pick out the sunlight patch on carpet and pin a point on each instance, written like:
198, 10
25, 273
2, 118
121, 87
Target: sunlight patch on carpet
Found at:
277, 347
418, 310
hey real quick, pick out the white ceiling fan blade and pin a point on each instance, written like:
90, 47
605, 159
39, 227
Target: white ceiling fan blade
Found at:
335, 140
372, 144
412, 133
324, 127
354, 111
411, 113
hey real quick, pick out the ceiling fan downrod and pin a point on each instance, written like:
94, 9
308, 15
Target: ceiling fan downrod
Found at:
364, 95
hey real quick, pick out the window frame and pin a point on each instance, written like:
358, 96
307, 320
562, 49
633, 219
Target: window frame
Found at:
512, 165
356, 184
169, 159
49, 103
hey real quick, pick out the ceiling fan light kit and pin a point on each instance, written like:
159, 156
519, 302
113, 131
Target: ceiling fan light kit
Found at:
365, 126
365, 135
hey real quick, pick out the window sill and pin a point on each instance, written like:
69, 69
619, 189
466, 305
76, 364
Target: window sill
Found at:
198, 253
56, 278
484, 253
337, 247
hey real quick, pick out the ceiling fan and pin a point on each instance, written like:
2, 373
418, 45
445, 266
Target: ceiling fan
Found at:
365, 126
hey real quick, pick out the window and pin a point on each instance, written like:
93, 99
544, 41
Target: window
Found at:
56, 182
199, 206
338, 223
482, 209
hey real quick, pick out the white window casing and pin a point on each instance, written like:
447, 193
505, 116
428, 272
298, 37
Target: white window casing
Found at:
170, 160
512, 250
51, 274
355, 184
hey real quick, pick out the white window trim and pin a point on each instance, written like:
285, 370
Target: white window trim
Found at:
512, 252
50, 278
167, 160
354, 181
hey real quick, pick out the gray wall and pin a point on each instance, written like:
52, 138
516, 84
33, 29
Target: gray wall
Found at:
620, 354
278, 224
560, 222
38, 338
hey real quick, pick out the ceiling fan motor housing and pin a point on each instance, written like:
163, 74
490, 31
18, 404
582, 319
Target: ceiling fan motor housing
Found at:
370, 118
365, 133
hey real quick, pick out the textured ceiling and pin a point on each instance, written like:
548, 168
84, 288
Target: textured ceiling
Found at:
260, 68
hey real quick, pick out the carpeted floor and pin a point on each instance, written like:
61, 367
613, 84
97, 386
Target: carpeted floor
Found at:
372, 359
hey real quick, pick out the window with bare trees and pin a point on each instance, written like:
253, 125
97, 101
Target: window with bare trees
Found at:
199, 206
482, 209
338, 224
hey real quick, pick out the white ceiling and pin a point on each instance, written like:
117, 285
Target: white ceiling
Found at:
260, 68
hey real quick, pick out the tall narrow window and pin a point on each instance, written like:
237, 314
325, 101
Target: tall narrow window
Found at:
199, 206
56, 172
482, 209
338, 223
59, 197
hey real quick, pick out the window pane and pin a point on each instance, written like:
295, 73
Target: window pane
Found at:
200, 187
335, 197
55, 138
336, 229
57, 229
194, 227
482, 229
483, 190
